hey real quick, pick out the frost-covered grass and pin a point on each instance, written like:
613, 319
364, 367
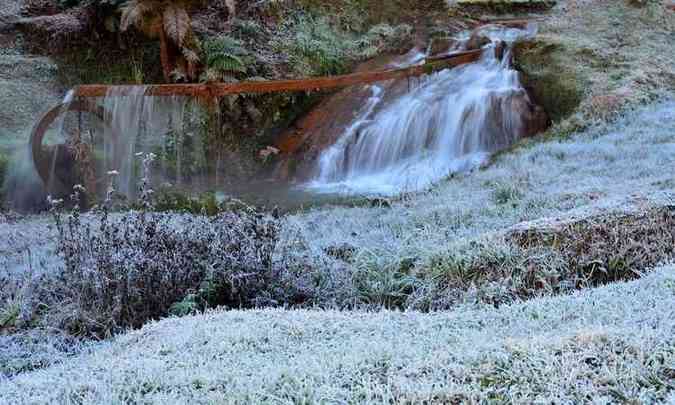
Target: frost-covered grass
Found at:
35, 349
453, 244
606, 168
611, 344
480, 238
593, 58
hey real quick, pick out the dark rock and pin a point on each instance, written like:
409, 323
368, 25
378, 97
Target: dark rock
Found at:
34, 8
253, 112
477, 41
534, 118
8, 23
59, 30
500, 49
549, 76
504, 6
379, 202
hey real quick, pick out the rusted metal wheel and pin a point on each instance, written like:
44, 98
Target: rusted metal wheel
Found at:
41, 158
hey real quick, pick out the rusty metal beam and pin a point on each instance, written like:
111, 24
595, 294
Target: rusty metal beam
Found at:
520, 23
320, 83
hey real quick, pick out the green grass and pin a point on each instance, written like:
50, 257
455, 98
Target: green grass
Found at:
9, 313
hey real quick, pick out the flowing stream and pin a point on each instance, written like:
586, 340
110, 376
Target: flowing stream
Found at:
450, 122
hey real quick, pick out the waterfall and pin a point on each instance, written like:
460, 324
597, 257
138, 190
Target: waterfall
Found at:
61, 129
138, 124
450, 122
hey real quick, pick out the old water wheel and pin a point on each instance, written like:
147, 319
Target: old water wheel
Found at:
61, 166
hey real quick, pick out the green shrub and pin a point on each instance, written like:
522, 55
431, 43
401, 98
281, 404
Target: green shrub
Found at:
9, 313
314, 46
170, 200
318, 47
506, 193
225, 57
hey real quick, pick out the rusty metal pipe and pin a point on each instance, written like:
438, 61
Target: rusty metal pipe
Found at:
319, 83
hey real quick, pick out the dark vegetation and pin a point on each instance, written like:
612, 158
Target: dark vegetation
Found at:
129, 268
552, 259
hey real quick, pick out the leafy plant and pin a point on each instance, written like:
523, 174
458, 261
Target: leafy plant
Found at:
225, 58
170, 22
506, 193
247, 28
316, 46
9, 313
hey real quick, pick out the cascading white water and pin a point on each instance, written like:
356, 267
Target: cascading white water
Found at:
450, 122
61, 125
138, 123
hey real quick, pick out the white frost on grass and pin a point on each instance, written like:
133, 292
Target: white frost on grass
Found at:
621, 163
611, 344
27, 243
627, 162
632, 159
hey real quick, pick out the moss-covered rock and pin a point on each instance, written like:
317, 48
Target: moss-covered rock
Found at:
588, 64
547, 76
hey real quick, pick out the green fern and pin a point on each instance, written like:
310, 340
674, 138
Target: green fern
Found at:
228, 63
226, 56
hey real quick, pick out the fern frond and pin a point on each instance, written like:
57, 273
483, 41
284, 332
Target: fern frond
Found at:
231, 8
226, 55
228, 63
176, 23
133, 12
178, 74
190, 55
225, 44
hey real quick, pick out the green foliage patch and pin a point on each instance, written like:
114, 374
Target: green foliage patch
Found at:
225, 57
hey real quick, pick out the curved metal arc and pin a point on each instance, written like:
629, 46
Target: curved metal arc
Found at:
39, 130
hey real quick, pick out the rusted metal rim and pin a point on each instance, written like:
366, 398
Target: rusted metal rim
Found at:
40, 158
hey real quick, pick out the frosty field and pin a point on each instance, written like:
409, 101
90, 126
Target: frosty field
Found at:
611, 344
608, 344
475, 202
